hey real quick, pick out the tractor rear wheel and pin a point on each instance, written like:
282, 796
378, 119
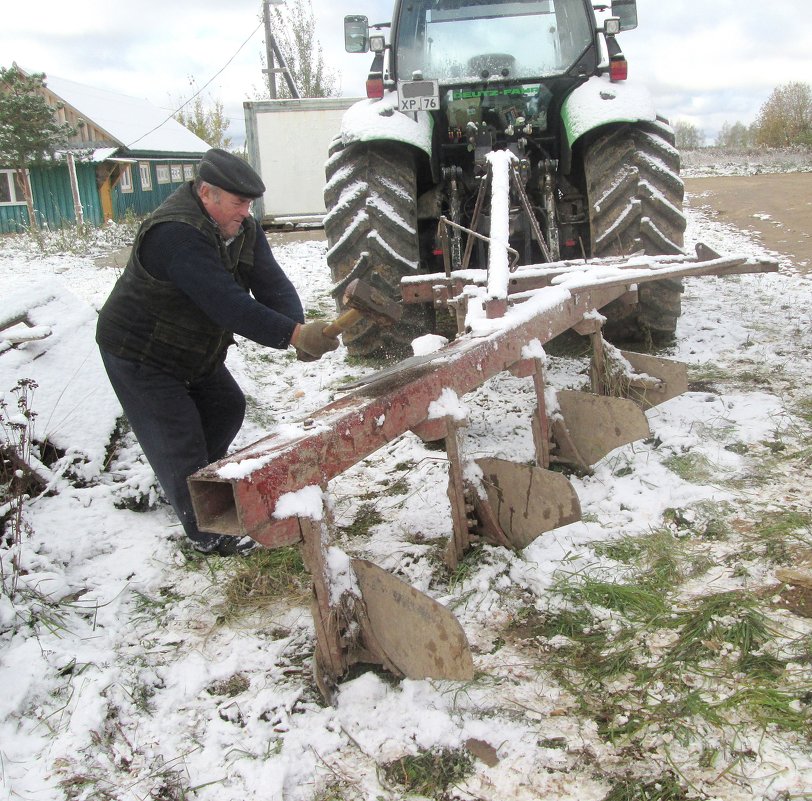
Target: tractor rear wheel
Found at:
370, 196
635, 203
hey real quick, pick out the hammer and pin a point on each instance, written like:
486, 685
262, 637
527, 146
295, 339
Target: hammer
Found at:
363, 300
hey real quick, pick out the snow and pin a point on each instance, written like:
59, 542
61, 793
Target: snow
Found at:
369, 120
500, 163
447, 405
307, 502
598, 101
237, 470
428, 343
134, 122
117, 693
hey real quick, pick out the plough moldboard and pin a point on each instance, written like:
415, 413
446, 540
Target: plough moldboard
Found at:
361, 612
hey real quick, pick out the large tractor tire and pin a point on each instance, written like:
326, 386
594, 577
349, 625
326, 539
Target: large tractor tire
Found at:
635, 203
370, 196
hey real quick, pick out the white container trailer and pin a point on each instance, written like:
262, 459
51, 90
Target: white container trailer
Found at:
287, 143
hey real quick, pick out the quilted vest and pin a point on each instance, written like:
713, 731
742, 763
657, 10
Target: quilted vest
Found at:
152, 321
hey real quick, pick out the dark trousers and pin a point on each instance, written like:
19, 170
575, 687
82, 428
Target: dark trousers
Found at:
181, 426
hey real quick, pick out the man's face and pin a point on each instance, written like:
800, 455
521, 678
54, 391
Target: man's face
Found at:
226, 209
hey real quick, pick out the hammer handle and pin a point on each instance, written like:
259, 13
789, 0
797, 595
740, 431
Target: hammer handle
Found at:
342, 323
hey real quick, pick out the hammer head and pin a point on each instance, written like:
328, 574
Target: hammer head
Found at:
371, 303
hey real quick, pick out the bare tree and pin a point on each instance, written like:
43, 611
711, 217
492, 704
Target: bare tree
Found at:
786, 117
688, 136
294, 28
736, 137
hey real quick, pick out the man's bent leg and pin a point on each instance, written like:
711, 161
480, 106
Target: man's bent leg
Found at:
221, 406
167, 424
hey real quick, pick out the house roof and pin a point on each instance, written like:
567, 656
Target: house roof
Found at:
134, 123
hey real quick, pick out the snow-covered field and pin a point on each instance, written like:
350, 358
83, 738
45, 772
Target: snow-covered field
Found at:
127, 672
707, 161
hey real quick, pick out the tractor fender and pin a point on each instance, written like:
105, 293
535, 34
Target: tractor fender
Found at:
598, 102
372, 120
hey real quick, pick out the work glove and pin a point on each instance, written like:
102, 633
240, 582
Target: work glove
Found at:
312, 342
305, 357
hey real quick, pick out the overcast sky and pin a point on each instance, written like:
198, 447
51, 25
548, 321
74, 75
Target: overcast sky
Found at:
705, 62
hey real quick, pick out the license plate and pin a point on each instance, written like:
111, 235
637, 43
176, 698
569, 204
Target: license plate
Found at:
418, 96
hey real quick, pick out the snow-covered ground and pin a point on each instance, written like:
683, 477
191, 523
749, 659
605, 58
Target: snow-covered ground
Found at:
136, 681
707, 161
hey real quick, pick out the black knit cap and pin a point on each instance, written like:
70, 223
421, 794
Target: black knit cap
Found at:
221, 168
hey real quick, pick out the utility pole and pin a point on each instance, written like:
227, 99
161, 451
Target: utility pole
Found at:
271, 49
271, 72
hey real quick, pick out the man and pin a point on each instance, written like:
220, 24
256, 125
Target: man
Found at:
200, 271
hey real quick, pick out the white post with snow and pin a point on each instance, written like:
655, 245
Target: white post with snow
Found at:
498, 270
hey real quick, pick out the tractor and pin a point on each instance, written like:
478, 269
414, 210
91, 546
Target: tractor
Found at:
594, 170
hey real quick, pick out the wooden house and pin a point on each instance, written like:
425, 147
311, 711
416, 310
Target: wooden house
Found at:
125, 159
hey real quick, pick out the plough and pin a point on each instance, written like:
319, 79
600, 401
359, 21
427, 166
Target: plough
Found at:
274, 490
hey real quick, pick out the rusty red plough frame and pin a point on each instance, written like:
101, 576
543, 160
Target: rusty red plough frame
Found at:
544, 301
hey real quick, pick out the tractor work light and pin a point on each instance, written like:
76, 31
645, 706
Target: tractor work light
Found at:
377, 44
611, 26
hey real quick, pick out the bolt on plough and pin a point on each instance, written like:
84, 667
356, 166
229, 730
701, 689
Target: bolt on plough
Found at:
275, 489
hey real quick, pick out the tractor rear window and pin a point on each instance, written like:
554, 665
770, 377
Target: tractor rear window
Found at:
464, 41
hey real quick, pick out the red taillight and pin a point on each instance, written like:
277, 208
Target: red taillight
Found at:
374, 88
618, 68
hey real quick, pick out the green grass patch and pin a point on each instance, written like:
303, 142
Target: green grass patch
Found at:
365, 518
731, 617
429, 773
570, 623
635, 601
625, 550
264, 575
654, 664
259, 414
660, 559
803, 409
230, 687
693, 467
154, 607
772, 707
707, 373
665, 787
756, 376
375, 362
399, 487
336, 791
792, 526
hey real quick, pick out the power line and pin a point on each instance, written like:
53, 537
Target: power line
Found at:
186, 103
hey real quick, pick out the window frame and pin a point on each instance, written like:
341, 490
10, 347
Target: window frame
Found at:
125, 181
15, 193
145, 174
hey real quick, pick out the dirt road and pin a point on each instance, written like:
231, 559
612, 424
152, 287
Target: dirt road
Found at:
777, 206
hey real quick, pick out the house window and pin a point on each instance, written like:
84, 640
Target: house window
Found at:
126, 181
11, 193
177, 174
188, 172
146, 176
162, 173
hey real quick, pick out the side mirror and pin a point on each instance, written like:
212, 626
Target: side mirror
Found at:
626, 11
356, 33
